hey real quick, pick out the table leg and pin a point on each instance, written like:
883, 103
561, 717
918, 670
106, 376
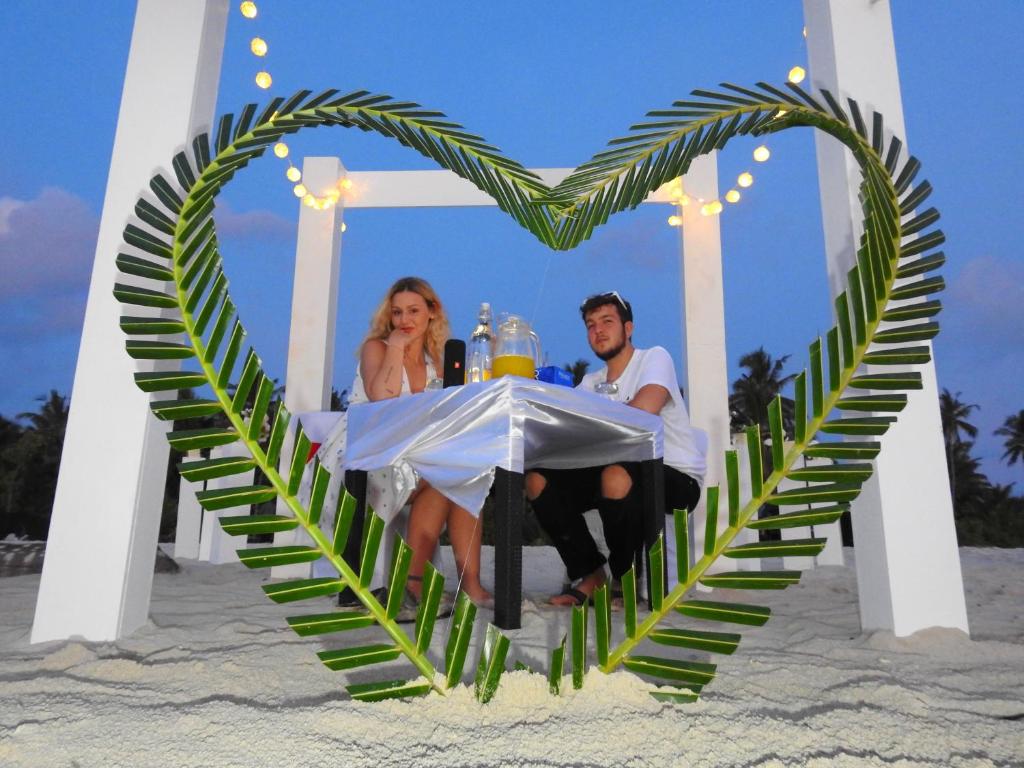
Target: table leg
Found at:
654, 517
508, 548
355, 483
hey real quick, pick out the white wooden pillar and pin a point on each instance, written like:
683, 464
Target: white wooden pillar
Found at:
738, 442
707, 386
314, 313
215, 545
190, 516
106, 512
908, 566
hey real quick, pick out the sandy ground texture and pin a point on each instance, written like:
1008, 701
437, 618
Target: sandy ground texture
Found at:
216, 679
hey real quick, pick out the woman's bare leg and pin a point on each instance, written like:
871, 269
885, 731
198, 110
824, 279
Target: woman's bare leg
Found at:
429, 512
465, 531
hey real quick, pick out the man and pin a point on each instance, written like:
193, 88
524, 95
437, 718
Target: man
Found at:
641, 378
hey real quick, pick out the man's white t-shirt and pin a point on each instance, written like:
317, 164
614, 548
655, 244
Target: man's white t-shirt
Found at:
654, 366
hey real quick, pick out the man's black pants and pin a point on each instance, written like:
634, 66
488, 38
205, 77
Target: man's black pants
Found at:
569, 493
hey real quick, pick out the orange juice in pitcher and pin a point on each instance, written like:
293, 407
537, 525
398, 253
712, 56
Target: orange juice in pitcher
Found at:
517, 351
514, 365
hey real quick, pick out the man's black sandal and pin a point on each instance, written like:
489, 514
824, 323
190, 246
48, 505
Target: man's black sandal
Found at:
581, 598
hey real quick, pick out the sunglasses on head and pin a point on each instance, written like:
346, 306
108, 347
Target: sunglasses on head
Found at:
605, 298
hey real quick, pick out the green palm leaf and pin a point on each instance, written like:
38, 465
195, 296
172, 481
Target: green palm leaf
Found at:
172, 268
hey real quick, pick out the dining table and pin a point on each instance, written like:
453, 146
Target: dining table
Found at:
467, 440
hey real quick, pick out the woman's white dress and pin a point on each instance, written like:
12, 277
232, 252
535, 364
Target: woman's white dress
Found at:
387, 490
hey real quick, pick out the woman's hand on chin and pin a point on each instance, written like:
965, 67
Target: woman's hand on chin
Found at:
399, 338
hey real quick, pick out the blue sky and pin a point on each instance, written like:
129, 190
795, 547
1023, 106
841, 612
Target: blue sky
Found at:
549, 83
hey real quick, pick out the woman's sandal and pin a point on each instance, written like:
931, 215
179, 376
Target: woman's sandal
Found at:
486, 603
410, 607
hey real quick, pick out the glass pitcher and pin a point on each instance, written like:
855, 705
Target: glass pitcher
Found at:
517, 349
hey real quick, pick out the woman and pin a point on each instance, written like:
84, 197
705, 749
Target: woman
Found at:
399, 356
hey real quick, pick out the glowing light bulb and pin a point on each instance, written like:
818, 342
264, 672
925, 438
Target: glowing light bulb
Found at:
780, 113
344, 226
346, 183
684, 200
711, 209
300, 190
675, 221
744, 179
293, 173
733, 196
762, 153
281, 149
325, 203
263, 80
797, 75
248, 9
309, 199
258, 46
805, 31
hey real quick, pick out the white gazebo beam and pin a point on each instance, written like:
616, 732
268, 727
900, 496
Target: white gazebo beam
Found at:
101, 546
438, 189
908, 566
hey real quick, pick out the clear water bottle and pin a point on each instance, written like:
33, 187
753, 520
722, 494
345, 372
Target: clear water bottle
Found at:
480, 348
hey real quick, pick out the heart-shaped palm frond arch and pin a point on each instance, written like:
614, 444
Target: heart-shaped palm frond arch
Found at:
173, 271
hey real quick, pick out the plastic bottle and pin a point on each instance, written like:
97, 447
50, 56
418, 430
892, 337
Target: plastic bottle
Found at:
480, 348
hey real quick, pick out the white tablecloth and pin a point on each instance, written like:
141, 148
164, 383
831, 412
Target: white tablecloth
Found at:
455, 437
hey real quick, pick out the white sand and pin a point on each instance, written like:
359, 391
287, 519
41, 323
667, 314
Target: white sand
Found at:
217, 679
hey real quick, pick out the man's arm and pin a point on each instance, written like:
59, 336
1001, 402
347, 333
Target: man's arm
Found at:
651, 398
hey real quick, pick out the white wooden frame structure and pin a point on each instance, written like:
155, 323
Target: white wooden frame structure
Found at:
97, 574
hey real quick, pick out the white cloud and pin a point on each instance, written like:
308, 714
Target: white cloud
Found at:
987, 300
47, 246
257, 223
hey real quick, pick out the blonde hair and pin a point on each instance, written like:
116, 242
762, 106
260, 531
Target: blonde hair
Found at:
437, 328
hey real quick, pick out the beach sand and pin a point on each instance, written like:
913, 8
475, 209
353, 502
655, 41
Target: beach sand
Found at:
217, 679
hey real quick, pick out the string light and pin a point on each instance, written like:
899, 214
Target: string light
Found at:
248, 9
675, 221
293, 173
797, 75
744, 179
762, 153
258, 46
732, 196
711, 209
344, 226
263, 79
281, 149
300, 190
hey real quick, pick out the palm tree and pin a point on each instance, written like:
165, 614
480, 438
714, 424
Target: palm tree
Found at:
578, 370
1013, 431
52, 418
10, 434
954, 413
971, 488
35, 460
754, 391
